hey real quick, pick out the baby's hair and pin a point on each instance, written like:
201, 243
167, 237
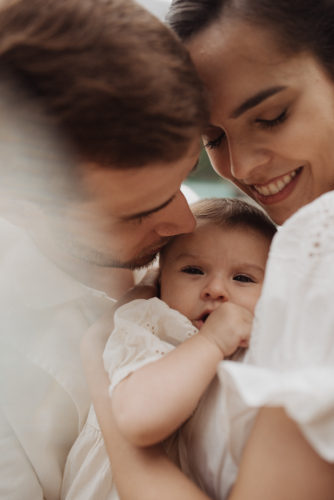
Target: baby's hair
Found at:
228, 213
231, 213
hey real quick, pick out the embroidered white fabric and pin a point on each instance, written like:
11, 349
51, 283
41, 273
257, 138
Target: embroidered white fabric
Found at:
145, 330
290, 362
132, 345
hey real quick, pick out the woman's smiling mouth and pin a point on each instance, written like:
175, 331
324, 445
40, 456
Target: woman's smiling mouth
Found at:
278, 189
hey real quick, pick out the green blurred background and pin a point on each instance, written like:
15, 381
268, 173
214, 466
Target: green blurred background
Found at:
208, 184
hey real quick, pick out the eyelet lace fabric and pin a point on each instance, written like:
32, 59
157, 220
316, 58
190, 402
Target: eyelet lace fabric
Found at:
145, 330
290, 362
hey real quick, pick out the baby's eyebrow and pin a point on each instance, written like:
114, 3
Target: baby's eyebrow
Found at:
250, 267
186, 256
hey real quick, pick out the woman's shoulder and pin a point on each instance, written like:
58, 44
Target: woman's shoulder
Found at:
309, 229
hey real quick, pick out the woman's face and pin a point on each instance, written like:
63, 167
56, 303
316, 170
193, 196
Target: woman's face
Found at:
272, 118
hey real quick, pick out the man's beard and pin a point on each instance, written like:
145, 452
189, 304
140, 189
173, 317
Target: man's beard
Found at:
106, 259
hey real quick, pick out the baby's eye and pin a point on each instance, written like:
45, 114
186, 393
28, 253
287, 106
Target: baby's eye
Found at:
192, 270
243, 278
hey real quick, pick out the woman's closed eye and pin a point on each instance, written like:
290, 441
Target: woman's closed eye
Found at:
270, 124
214, 137
192, 270
243, 278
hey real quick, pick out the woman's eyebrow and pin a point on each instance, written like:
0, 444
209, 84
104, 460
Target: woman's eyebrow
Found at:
255, 100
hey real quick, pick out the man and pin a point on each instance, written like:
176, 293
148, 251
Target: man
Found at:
129, 108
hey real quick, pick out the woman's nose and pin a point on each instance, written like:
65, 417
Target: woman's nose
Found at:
246, 159
176, 218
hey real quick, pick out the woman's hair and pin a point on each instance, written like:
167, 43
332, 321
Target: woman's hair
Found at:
297, 25
228, 214
117, 82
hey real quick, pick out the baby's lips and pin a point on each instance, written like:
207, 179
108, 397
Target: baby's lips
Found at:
200, 323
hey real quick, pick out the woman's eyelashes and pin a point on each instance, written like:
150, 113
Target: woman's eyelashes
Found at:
192, 270
215, 143
270, 124
264, 124
243, 278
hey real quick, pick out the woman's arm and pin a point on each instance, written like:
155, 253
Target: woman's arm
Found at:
155, 400
279, 464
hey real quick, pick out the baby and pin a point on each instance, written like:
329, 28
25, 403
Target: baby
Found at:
162, 354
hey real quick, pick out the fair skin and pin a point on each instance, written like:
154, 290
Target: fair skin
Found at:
125, 215
262, 146
214, 277
123, 218
281, 141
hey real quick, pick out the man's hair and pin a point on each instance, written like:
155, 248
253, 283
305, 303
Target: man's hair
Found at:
117, 82
228, 214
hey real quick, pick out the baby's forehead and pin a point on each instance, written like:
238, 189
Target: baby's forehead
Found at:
205, 230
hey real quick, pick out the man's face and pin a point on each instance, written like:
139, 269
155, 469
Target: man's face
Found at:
127, 215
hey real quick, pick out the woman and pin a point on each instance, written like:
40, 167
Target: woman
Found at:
269, 69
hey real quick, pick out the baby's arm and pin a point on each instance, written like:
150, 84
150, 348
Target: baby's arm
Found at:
155, 400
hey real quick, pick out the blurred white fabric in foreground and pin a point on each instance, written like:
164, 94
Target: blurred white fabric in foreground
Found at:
157, 7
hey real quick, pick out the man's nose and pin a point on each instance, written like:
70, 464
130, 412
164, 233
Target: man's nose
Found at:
176, 218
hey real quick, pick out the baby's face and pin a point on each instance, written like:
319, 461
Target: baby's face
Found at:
213, 265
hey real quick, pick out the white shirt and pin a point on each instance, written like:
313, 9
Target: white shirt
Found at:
44, 397
290, 362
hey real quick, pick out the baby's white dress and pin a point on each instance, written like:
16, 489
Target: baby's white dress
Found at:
145, 330
290, 362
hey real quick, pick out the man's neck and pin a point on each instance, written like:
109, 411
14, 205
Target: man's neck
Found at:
114, 282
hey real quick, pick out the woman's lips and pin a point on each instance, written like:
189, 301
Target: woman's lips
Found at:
278, 189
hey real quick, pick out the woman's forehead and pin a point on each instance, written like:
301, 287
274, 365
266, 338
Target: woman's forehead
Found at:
237, 60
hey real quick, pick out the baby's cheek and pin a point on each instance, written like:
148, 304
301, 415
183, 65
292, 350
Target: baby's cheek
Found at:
173, 298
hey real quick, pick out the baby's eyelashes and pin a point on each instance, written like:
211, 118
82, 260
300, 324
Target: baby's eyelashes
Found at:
243, 278
192, 270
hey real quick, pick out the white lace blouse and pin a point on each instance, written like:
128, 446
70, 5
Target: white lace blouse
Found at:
290, 362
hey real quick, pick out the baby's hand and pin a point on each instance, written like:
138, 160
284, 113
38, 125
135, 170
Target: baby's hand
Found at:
229, 327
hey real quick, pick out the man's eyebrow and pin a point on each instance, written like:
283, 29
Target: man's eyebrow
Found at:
149, 212
255, 101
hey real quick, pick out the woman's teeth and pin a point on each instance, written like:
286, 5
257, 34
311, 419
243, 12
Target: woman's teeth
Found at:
275, 186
